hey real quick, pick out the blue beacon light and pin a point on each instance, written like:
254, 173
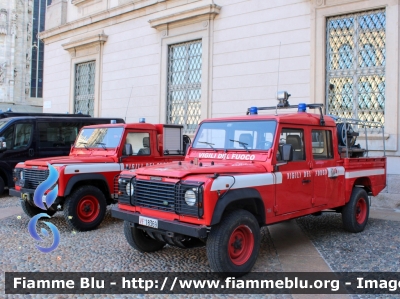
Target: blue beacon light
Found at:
302, 107
253, 110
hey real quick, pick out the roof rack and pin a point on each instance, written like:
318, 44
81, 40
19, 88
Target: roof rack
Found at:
365, 124
283, 97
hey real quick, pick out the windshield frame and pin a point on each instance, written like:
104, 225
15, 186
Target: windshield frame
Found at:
236, 142
82, 142
3, 123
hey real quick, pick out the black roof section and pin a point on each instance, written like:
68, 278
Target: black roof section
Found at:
14, 114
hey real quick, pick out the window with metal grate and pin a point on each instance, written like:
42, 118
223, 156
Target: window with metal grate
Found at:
84, 87
355, 65
184, 85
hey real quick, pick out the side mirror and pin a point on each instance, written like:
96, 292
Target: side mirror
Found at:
287, 152
3, 144
128, 149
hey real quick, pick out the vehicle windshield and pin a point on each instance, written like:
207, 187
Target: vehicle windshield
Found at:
99, 137
236, 135
3, 123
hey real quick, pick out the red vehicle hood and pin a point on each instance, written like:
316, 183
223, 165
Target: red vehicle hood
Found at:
69, 160
174, 170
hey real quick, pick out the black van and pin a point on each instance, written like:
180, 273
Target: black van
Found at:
29, 136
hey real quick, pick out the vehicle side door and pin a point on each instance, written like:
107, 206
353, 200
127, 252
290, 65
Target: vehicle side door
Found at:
56, 137
327, 185
141, 144
21, 145
296, 190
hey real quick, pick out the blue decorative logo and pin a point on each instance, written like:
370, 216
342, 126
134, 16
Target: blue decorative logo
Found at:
34, 234
44, 186
49, 199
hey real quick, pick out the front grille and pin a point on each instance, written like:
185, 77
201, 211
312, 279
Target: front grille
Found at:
34, 177
155, 195
169, 197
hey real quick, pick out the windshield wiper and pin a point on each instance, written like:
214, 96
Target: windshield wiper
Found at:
241, 143
84, 144
208, 143
103, 145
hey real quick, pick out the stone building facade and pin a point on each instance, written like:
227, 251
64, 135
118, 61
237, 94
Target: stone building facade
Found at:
16, 19
180, 61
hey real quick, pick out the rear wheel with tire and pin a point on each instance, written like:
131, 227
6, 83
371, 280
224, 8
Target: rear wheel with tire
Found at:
140, 240
32, 211
356, 212
234, 243
85, 208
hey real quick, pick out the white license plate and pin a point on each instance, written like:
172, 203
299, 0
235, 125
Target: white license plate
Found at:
148, 222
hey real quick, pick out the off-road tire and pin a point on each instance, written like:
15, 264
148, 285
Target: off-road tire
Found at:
356, 212
223, 254
140, 240
2, 185
85, 208
32, 211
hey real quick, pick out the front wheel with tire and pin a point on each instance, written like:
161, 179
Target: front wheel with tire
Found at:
234, 243
85, 208
356, 212
32, 211
140, 240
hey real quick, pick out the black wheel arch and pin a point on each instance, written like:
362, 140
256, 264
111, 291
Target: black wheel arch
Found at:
94, 179
246, 198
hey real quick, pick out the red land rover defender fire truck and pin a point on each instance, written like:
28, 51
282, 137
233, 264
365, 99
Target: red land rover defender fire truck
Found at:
242, 173
87, 180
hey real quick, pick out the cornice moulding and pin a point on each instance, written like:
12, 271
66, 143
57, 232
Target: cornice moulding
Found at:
210, 10
86, 41
124, 9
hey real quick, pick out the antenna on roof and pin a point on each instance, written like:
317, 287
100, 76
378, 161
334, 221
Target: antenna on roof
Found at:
130, 96
279, 66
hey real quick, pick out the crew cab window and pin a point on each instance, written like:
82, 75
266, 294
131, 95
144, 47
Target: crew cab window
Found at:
236, 135
294, 137
9, 136
140, 143
22, 135
53, 134
322, 144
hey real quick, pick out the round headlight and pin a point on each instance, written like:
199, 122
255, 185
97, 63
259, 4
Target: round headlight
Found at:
190, 197
129, 189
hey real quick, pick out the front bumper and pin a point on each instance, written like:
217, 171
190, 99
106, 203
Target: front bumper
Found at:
175, 227
25, 194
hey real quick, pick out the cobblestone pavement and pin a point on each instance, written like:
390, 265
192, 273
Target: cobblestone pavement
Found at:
376, 249
8, 201
104, 249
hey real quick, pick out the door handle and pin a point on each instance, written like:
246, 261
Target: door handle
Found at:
31, 152
306, 181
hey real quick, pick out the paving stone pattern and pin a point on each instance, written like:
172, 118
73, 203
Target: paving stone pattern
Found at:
376, 249
105, 249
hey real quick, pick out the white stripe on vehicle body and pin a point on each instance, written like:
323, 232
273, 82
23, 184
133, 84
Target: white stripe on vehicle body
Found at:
242, 181
365, 172
362, 173
90, 168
